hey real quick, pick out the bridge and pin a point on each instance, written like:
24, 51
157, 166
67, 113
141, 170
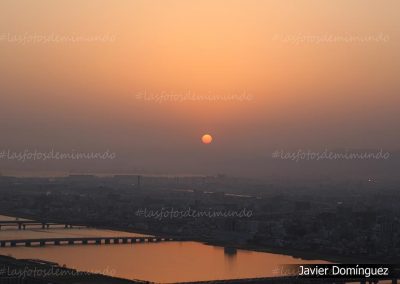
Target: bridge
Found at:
22, 224
83, 241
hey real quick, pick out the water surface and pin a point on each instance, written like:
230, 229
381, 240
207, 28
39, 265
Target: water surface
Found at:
158, 262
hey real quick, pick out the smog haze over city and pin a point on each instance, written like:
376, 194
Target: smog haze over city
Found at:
250, 136
145, 80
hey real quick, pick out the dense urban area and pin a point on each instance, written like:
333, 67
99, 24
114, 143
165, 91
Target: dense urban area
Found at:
349, 220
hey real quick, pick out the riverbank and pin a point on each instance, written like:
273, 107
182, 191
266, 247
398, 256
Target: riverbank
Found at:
15, 270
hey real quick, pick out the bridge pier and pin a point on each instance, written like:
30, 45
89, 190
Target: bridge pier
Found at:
45, 226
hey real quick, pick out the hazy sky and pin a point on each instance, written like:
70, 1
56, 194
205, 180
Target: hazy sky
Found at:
311, 75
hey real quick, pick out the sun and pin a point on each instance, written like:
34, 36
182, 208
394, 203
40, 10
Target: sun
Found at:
206, 139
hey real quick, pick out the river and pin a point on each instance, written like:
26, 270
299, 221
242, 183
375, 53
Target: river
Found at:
158, 262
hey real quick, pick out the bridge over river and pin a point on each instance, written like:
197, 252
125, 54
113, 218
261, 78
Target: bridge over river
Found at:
23, 224
84, 241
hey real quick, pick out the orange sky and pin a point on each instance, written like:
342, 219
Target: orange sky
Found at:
302, 90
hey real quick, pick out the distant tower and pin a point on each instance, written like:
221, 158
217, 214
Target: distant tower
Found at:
139, 177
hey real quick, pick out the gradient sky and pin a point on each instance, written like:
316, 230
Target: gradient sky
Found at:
84, 96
